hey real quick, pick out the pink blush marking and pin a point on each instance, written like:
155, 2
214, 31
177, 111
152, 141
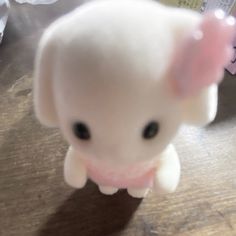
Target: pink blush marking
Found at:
121, 181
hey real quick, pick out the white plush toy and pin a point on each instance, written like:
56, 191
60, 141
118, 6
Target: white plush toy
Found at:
119, 78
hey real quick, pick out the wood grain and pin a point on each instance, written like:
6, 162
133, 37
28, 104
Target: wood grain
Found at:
34, 200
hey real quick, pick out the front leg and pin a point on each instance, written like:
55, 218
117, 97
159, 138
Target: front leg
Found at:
75, 173
138, 192
108, 190
168, 172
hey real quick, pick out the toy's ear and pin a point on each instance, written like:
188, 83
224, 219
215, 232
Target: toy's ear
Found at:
43, 91
199, 63
201, 109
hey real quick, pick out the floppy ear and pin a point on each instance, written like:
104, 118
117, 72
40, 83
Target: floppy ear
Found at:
201, 109
43, 90
198, 66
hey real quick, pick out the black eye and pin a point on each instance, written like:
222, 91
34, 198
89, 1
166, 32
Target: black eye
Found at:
151, 130
81, 131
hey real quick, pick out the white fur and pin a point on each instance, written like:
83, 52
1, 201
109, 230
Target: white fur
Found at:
108, 190
138, 192
168, 173
74, 170
195, 105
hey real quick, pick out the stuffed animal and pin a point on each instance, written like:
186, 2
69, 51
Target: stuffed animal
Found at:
119, 78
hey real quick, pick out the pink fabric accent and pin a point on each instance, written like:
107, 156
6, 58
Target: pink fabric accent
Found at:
201, 60
119, 181
136, 176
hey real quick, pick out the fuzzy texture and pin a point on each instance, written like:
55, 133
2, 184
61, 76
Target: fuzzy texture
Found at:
117, 65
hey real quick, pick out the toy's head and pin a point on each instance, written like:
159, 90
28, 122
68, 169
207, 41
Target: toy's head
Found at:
120, 77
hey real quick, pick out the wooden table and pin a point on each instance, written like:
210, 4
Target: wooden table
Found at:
34, 200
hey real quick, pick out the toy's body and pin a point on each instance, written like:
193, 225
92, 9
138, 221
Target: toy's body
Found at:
161, 173
119, 78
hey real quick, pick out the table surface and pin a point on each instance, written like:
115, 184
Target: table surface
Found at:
34, 200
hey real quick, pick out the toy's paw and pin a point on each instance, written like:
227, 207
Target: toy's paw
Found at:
76, 180
168, 174
75, 173
165, 182
138, 192
107, 190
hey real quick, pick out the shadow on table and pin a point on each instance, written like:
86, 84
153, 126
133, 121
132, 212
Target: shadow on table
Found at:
30, 151
88, 212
